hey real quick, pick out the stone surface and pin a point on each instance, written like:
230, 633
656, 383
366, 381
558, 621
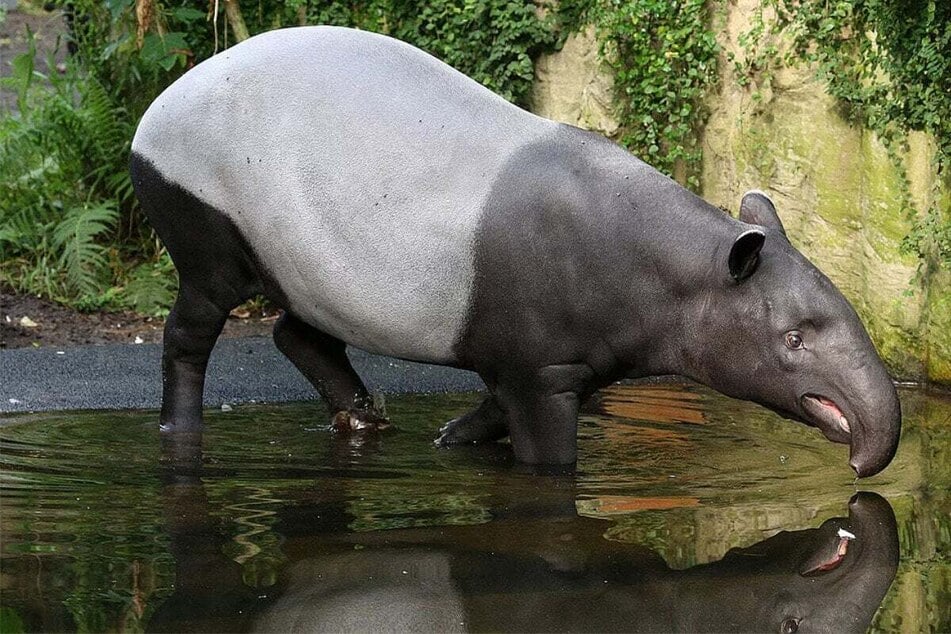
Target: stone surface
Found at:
572, 87
839, 194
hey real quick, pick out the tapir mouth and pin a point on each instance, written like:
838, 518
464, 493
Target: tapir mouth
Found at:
828, 417
829, 556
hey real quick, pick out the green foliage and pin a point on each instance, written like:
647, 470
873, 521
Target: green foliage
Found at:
151, 287
70, 228
11, 621
888, 62
136, 56
663, 57
492, 41
74, 239
66, 187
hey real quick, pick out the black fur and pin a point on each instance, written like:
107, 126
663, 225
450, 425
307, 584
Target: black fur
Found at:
561, 305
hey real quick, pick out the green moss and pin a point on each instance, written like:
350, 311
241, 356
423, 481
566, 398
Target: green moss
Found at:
846, 200
938, 328
885, 195
850, 223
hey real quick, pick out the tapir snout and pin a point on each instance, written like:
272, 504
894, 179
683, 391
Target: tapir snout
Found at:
876, 423
867, 417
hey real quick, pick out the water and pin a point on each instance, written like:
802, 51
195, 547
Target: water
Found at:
688, 511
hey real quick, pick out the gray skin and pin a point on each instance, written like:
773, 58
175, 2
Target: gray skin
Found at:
386, 201
566, 577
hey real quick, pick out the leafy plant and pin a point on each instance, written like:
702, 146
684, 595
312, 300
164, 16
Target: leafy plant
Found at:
151, 287
663, 58
493, 41
74, 239
63, 157
888, 62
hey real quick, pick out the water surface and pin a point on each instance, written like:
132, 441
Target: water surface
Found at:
688, 511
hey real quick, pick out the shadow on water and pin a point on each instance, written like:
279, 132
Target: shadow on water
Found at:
688, 512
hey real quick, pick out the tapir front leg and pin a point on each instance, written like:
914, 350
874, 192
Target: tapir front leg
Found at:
323, 360
542, 412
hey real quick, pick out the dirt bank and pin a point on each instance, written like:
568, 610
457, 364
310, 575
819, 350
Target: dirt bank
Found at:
27, 321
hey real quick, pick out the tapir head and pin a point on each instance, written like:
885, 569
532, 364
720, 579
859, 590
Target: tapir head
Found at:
786, 338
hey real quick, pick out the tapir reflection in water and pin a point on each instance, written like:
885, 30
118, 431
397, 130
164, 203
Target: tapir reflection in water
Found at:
386, 201
816, 580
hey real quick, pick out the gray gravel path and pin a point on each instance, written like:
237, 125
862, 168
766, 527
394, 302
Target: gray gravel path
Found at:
124, 376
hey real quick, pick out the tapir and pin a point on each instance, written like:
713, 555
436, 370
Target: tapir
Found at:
386, 201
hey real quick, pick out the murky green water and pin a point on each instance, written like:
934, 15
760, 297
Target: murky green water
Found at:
688, 512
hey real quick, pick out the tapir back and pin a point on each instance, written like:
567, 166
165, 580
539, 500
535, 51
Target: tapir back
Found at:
355, 167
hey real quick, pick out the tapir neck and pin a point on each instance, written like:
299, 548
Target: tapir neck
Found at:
667, 246
586, 254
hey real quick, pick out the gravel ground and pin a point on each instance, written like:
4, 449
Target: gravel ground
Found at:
124, 376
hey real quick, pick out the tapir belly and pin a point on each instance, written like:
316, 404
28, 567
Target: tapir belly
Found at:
356, 168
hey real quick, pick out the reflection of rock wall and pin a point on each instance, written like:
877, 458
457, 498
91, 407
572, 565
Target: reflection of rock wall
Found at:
837, 190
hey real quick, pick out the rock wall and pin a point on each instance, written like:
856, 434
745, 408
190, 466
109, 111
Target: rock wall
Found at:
838, 192
570, 86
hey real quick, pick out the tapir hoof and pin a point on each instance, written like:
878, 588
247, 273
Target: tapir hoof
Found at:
358, 421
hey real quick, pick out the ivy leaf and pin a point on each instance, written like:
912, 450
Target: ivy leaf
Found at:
164, 50
188, 14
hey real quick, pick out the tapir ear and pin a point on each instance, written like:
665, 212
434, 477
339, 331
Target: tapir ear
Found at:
757, 209
744, 254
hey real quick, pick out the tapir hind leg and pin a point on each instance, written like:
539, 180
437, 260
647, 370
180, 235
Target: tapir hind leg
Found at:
323, 360
192, 327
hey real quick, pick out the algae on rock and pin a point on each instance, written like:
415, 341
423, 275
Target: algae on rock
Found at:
840, 194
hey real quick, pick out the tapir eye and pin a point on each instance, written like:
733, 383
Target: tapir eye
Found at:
794, 342
789, 626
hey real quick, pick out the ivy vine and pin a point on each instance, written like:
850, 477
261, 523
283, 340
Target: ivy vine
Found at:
493, 41
888, 62
663, 55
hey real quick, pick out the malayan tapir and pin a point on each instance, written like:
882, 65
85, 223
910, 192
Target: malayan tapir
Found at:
386, 201
530, 563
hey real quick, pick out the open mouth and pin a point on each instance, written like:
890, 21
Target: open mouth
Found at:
828, 558
826, 414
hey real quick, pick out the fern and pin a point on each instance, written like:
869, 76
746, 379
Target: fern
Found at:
64, 187
108, 134
151, 287
74, 239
